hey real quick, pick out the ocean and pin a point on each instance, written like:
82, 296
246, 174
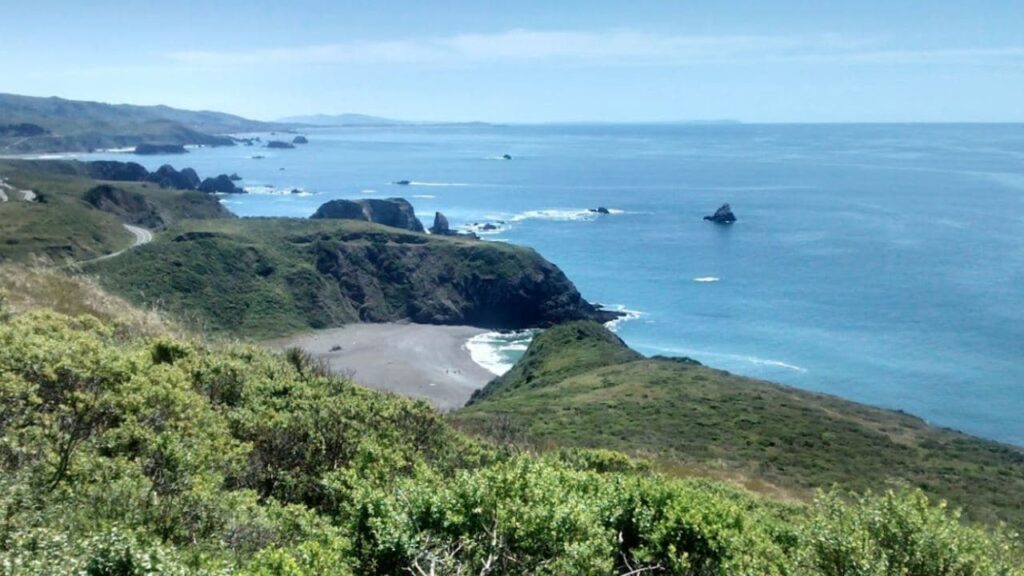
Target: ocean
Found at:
880, 263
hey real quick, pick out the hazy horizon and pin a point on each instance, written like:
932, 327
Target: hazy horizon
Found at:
532, 62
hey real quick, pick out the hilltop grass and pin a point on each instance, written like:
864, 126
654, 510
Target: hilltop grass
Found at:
61, 227
690, 417
268, 277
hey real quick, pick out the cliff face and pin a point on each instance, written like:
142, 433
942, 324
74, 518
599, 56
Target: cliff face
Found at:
272, 277
447, 283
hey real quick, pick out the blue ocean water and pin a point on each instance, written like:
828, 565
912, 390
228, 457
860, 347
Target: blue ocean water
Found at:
881, 263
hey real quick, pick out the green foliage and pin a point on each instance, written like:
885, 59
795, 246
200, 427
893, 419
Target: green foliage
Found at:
579, 385
899, 533
269, 277
131, 455
65, 228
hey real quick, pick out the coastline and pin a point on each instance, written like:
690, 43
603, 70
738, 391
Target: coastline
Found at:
422, 361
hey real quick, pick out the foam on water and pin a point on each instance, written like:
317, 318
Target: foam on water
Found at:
627, 315
499, 351
707, 279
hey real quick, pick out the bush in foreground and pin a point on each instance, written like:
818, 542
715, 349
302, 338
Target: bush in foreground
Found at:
124, 454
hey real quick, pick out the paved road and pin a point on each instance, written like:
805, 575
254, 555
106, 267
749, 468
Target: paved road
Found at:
142, 236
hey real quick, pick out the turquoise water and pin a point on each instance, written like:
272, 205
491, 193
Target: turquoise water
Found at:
881, 263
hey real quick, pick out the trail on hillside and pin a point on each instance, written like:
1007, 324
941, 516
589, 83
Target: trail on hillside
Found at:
142, 236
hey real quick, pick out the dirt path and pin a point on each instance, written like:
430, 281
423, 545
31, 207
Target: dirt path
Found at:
142, 236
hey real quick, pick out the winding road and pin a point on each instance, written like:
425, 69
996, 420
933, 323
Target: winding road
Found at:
142, 236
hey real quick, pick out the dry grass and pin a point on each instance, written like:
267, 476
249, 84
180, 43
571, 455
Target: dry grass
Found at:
25, 288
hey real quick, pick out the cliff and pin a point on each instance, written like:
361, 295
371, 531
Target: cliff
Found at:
269, 277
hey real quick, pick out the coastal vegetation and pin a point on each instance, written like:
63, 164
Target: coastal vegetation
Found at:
75, 216
126, 453
579, 385
29, 124
268, 277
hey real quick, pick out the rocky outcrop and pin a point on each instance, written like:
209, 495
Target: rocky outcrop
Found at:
723, 215
440, 226
221, 184
600, 210
130, 207
506, 156
300, 140
153, 149
167, 177
279, 144
395, 212
116, 171
470, 283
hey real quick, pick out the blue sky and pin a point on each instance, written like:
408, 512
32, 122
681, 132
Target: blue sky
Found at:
529, 61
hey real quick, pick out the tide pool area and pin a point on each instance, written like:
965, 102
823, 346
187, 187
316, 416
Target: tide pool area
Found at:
880, 263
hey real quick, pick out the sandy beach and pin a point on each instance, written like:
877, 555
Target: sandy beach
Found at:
415, 360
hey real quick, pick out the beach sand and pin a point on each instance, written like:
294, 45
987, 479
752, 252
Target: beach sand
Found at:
415, 360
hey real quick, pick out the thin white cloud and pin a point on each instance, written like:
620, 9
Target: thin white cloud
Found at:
617, 47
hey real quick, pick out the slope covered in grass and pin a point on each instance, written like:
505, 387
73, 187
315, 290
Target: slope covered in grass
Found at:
127, 455
271, 277
31, 124
63, 226
578, 385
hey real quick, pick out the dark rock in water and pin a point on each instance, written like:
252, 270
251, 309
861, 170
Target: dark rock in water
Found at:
130, 207
488, 227
402, 182
296, 191
167, 177
279, 144
600, 210
440, 226
506, 156
723, 215
257, 157
235, 177
395, 212
221, 184
118, 171
300, 140
151, 149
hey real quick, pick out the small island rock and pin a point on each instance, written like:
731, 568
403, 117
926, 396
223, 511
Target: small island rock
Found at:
300, 140
222, 184
723, 215
394, 212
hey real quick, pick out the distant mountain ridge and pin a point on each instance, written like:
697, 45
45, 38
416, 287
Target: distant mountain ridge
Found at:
343, 120
38, 124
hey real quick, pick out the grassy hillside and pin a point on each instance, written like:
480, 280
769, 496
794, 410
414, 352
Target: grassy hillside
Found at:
270, 277
578, 385
62, 226
131, 455
30, 124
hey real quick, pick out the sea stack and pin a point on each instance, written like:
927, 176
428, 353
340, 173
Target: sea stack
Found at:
394, 212
723, 215
440, 226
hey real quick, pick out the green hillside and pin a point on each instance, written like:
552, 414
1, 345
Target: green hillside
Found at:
578, 385
30, 124
274, 276
125, 454
62, 226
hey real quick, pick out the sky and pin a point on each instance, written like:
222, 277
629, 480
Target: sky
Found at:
529, 61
